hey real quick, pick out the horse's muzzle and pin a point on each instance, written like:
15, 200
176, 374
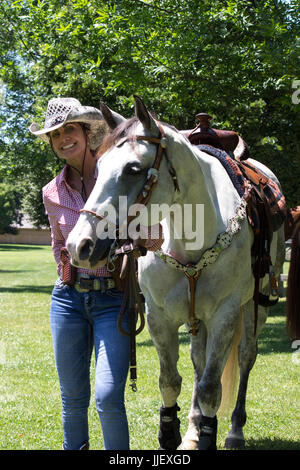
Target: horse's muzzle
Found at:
100, 251
86, 253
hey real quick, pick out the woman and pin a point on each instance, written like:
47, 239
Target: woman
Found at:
82, 318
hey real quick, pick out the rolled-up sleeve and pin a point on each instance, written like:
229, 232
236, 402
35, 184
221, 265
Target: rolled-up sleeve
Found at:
57, 238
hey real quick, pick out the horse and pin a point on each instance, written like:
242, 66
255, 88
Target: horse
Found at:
292, 219
205, 284
293, 285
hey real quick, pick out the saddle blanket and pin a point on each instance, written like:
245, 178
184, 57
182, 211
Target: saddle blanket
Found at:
237, 171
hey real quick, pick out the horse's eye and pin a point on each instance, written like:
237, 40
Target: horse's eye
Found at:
132, 169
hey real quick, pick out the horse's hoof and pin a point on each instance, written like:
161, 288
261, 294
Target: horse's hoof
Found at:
188, 444
206, 443
234, 443
208, 433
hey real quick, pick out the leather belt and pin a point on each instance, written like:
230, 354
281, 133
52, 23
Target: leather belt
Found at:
85, 283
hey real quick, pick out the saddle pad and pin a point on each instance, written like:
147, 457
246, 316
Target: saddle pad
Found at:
274, 199
230, 165
236, 172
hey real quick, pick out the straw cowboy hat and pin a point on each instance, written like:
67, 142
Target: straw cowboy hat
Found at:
63, 110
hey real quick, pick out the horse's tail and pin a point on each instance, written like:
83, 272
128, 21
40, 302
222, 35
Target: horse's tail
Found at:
230, 374
293, 288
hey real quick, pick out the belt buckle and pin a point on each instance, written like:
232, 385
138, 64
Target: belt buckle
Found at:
79, 288
77, 284
103, 284
97, 284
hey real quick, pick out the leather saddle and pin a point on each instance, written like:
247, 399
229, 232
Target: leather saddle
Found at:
262, 190
229, 141
266, 205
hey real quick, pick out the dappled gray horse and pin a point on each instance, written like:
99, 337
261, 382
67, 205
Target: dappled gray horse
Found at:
206, 284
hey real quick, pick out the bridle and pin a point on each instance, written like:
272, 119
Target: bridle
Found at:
151, 183
153, 172
191, 271
128, 270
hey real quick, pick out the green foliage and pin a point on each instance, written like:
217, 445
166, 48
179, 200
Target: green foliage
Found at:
237, 60
9, 204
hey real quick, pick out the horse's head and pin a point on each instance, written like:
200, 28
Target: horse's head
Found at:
127, 168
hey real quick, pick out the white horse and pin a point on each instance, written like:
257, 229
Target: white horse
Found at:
224, 290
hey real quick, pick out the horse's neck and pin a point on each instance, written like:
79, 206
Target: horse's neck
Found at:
206, 190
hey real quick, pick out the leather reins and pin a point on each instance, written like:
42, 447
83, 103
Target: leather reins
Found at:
128, 270
128, 249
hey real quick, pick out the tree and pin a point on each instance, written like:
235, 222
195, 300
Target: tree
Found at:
235, 59
9, 204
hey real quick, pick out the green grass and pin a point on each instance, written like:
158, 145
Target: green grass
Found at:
30, 407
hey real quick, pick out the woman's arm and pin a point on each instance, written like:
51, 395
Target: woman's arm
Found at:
57, 238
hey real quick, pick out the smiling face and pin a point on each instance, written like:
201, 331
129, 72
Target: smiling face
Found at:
69, 142
125, 166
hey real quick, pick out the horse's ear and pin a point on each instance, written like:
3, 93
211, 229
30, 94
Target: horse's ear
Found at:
112, 118
144, 116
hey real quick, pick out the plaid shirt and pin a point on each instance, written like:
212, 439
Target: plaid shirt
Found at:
62, 204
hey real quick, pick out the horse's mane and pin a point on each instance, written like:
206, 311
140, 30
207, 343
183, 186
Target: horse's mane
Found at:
122, 130
125, 129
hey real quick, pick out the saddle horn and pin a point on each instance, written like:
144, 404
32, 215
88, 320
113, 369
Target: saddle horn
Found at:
229, 141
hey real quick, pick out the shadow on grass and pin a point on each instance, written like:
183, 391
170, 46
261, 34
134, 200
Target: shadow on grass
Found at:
16, 271
278, 309
20, 247
28, 289
271, 444
273, 338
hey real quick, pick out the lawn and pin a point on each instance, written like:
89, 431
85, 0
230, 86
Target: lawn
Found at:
30, 405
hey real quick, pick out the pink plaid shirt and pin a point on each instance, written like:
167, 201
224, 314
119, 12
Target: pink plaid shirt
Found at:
62, 204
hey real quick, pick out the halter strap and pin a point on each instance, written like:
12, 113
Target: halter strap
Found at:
98, 216
152, 180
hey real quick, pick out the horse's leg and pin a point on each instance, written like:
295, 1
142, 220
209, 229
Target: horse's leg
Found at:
220, 336
198, 344
247, 358
248, 352
165, 338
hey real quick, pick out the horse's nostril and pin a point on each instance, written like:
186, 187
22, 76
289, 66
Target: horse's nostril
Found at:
85, 249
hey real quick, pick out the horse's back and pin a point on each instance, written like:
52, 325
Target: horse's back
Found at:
265, 170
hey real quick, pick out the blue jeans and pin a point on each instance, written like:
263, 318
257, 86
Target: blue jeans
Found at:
78, 322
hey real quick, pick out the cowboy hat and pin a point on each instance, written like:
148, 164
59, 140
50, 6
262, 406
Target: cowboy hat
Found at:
63, 110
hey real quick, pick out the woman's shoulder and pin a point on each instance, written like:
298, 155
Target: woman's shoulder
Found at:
52, 187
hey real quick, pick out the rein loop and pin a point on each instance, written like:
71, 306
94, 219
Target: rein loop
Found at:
132, 297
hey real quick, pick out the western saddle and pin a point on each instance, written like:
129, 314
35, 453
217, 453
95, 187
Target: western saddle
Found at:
229, 141
266, 206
